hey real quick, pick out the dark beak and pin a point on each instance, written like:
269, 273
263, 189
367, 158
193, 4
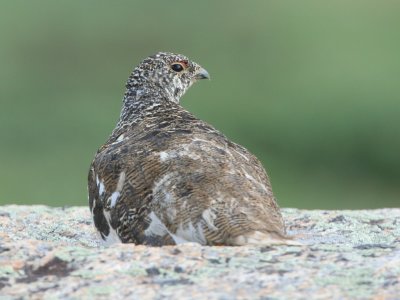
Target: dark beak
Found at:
202, 74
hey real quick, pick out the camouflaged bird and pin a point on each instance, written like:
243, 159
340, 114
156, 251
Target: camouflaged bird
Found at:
165, 177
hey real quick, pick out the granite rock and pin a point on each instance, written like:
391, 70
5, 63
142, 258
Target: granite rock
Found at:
54, 253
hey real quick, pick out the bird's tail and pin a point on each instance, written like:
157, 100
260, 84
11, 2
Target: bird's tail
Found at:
258, 238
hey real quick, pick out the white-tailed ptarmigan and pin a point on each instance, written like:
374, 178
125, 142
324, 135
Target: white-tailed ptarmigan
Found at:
165, 177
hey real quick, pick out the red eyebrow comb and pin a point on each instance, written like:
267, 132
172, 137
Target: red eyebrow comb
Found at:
185, 62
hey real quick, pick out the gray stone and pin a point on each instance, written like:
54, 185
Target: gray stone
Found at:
54, 253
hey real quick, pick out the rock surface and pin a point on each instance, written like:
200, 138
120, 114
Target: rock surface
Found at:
53, 253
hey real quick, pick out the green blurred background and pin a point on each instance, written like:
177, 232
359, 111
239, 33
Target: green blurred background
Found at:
311, 88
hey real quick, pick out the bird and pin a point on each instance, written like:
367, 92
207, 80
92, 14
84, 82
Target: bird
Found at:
165, 177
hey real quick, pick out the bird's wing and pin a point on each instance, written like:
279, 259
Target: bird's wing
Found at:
190, 183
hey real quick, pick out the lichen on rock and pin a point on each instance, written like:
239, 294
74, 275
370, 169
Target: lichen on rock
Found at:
54, 253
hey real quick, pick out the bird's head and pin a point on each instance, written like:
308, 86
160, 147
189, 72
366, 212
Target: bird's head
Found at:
172, 73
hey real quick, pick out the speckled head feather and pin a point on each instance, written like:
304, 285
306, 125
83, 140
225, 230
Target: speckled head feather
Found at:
165, 177
166, 76
174, 73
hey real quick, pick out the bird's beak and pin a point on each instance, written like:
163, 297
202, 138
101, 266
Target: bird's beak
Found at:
202, 74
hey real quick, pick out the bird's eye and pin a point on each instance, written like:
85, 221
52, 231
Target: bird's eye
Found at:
177, 67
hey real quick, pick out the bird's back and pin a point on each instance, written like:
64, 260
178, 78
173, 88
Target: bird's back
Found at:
172, 178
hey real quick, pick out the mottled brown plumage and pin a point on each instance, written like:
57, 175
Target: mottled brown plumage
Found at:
166, 177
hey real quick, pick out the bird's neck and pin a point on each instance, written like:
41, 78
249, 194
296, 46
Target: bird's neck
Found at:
143, 100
